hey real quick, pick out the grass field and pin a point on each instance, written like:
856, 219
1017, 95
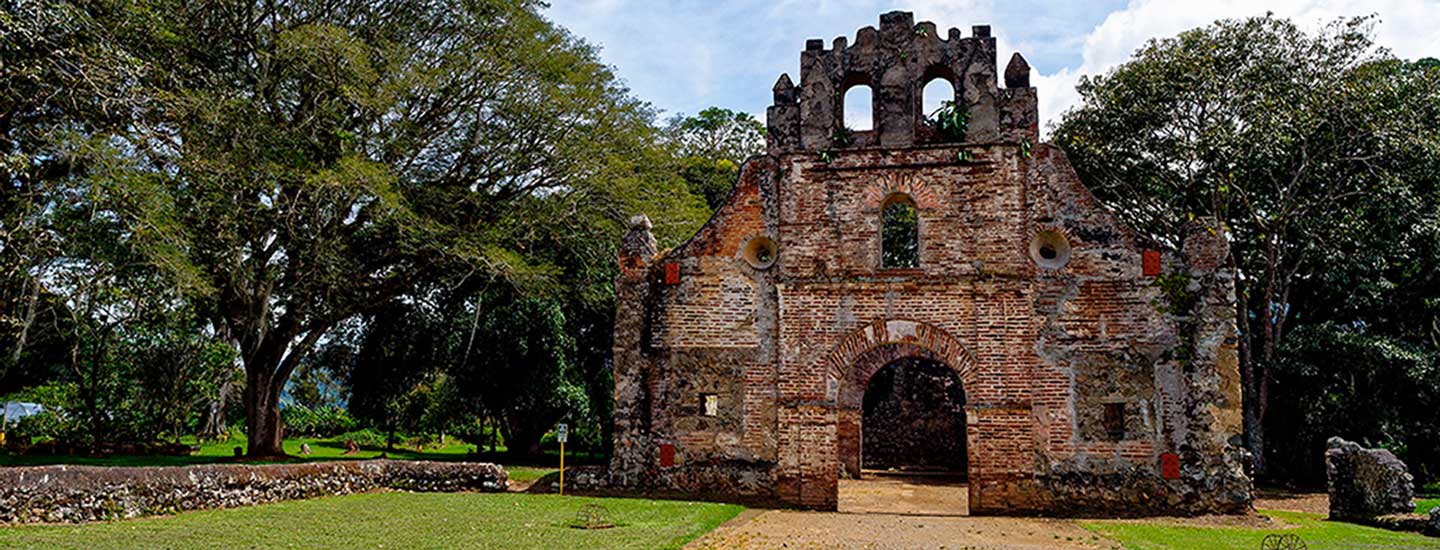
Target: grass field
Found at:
396, 520
1317, 533
1423, 506
322, 449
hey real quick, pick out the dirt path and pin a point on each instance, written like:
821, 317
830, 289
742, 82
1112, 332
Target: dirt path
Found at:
1276, 499
897, 513
905, 495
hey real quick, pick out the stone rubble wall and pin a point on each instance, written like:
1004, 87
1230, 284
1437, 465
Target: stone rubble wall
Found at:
74, 494
1366, 482
914, 418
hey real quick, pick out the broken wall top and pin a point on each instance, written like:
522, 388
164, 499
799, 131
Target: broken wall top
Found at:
896, 62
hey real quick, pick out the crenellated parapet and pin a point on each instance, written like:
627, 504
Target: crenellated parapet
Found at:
896, 62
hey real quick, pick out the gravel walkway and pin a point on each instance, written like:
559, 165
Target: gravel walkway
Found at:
897, 513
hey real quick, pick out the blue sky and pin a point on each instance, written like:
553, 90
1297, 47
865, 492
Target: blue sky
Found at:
685, 55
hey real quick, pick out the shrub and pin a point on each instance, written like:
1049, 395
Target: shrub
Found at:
318, 422
951, 120
364, 438
45, 426
54, 423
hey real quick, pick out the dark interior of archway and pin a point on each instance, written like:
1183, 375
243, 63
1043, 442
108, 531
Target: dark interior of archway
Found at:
914, 418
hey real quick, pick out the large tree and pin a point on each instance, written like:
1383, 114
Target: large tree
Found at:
63, 79
709, 147
1303, 144
307, 161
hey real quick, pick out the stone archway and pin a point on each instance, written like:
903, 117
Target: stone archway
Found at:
864, 352
912, 421
905, 336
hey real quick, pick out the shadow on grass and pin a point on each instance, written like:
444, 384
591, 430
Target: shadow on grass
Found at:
323, 450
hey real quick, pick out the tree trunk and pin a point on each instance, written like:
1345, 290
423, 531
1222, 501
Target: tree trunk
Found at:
494, 432
214, 424
32, 305
262, 414
522, 439
1255, 437
1250, 400
266, 372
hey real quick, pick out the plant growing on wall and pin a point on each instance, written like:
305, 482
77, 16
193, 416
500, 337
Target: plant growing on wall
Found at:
951, 120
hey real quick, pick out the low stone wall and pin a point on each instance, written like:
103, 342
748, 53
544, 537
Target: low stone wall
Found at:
72, 494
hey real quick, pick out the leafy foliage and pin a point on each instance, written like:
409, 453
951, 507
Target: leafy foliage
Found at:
900, 235
324, 421
951, 120
708, 149
1318, 151
287, 167
1333, 376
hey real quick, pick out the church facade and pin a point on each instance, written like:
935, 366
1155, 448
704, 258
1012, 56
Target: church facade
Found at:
1099, 369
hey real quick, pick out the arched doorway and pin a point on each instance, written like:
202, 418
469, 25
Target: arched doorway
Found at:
925, 469
913, 420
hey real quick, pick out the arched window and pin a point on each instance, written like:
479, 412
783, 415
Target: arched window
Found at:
899, 233
859, 114
935, 94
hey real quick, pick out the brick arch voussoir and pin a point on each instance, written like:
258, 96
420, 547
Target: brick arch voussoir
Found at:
907, 338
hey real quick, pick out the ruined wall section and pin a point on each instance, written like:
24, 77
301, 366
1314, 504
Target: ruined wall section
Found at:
1101, 328
972, 284
1099, 370
896, 62
971, 213
705, 328
1151, 340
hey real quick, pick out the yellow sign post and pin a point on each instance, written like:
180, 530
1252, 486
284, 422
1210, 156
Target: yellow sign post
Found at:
560, 436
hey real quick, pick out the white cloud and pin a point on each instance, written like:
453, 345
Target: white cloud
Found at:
685, 56
1409, 28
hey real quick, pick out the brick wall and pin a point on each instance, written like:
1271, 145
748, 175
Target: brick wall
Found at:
1042, 345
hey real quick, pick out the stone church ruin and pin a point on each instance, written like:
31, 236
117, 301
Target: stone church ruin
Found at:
1077, 367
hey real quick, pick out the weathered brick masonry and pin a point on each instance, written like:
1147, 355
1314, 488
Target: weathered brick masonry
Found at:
742, 356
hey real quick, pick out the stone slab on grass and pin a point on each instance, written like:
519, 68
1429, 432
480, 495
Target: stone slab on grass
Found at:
1366, 483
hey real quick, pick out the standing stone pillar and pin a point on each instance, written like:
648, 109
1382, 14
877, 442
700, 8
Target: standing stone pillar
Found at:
630, 457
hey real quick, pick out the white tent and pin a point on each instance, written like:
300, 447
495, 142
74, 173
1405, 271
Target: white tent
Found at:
15, 410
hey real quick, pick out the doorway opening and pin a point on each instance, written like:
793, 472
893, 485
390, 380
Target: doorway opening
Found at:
912, 442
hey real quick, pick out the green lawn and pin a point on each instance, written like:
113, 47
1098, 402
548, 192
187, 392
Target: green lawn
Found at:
396, 520
1317, 533
529, 473
322, 449
1423, 506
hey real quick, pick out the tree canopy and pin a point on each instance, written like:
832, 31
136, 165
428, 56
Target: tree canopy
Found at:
1317, 150
709, 148
286, 166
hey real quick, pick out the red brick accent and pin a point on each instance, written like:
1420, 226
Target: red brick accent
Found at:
1151, 263
672, 273
667, 455
926, 339
1170, 466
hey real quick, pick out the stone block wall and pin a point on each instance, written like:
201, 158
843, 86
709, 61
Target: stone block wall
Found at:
71, 494
1366, 483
